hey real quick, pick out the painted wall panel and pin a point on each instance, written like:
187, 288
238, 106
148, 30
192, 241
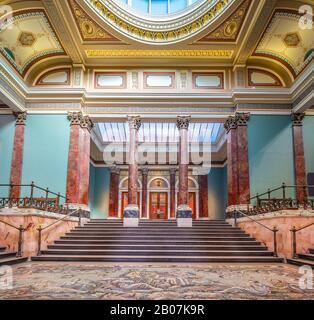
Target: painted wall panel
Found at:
7, 129
270, 152
46, 151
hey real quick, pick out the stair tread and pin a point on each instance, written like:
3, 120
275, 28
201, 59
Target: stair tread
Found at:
5, 254
302, 261
17, 259
130, 250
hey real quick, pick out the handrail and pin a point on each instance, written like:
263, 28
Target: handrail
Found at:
294, 231
274, 230
41, 229
21, 229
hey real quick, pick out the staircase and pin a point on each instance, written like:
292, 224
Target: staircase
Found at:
9, 258
304, 259
157, 241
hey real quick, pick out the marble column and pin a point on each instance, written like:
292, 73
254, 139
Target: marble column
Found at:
131, 211
243, 159
299, 159
144, 192
114, 192
17, 156
203, 196
172, 193
184, 212
78, 162
232, 154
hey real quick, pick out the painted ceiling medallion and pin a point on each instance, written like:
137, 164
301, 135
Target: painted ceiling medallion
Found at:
26, 38
229, 30
284, 41
156, 30
89, 30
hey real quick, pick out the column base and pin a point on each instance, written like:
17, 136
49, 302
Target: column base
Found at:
131, 216
85, 210
184, 216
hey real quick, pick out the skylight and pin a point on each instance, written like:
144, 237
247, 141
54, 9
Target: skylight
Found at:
158, 7
161, 132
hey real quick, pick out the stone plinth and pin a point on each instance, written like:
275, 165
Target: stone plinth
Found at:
131, 215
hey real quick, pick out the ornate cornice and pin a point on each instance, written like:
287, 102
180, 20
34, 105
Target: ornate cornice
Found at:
77, 118
183, 122
134, 122
20, 118
159, 30
297, 119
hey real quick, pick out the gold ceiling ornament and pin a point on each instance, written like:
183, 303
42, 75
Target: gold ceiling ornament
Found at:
229, 30
160, 53
151, 32
89, 30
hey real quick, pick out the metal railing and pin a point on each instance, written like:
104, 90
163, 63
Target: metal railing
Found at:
40, 229
270, 203
274, 230
21, 229
45, 200
294, 231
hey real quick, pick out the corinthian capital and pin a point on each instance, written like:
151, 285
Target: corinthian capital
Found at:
242, 118
297, 119
77, 118
231, 123
20, 118
134, 122
183, 122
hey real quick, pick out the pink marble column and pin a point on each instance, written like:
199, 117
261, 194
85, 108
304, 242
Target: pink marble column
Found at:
172, 192
299, 159
144, 191
184, 211
17, 157
114, 192
131, 212
203, 196
232, 155
79, 161
243, 159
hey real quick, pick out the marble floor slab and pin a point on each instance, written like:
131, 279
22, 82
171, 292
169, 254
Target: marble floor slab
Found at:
155, 281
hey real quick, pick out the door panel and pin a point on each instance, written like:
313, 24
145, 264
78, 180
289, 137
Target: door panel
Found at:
158, 205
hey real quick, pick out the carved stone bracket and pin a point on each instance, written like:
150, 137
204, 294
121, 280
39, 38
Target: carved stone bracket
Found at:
77, 118
297, 119
20, 118
134, 122
183, 122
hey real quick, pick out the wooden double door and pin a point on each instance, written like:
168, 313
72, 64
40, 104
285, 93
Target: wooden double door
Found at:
158, 205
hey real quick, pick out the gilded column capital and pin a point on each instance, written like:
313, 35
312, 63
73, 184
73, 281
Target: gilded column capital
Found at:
230, 123
172, 171
87, 123
77, 118
183, 122
297, 119
114, 170
144, 171
134, 122
242, 118
20, 118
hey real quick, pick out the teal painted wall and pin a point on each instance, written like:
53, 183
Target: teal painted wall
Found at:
270, 152
46, 151
217, 186
308, 136
7, 129
99, 192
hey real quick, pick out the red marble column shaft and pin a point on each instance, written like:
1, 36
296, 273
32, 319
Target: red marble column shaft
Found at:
172, 193
73, 178
183, 196
17, 156
144, 192
114, 193
243, 166
232, 154
203, 196
299, 159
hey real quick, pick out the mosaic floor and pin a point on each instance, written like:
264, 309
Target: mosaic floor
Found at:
105, 281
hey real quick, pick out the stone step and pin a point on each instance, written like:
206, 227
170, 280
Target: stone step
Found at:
7, 254
154, 228
165, 259
2, 249
156, 247
301, 262
154, 233
157, 237
12, 260
311, 251
249, 242
306, 256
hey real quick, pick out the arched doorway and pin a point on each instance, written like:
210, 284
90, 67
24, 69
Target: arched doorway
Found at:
123, 195
158, 199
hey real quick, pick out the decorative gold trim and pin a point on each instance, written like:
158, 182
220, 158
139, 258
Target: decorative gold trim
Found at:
160, 53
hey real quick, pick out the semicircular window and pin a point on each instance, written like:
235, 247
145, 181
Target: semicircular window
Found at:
158, 7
